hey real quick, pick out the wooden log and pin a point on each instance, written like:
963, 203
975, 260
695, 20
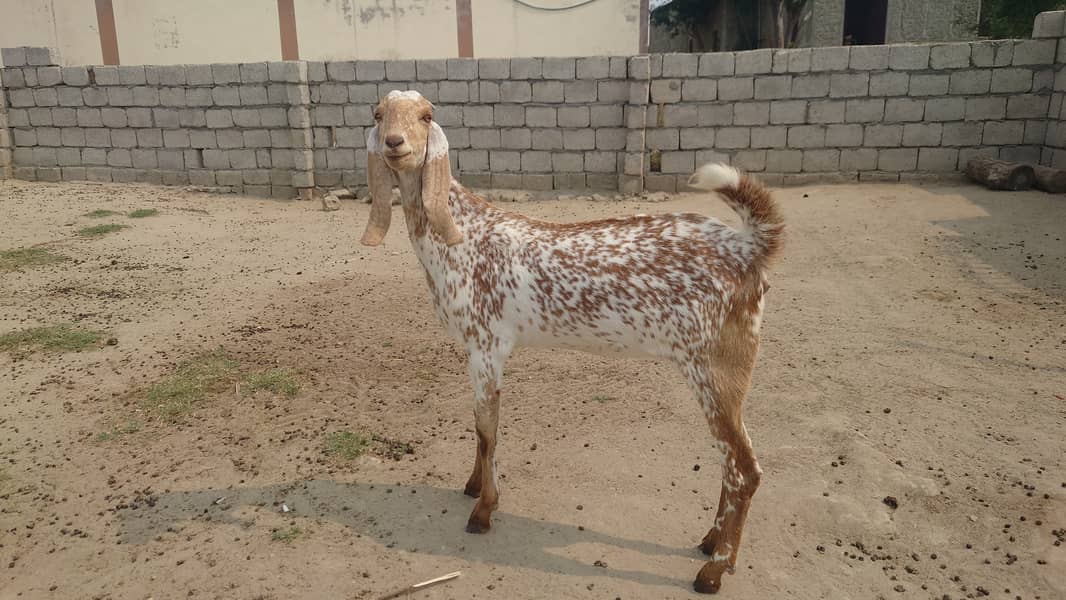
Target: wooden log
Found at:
1001, 174
1050, 180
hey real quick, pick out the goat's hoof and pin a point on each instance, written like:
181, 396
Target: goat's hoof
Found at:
706, 587
473, 526
472, 491
707, 546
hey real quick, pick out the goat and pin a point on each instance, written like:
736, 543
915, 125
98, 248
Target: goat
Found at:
682, 287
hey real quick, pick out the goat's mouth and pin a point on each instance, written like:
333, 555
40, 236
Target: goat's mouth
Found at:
397, 156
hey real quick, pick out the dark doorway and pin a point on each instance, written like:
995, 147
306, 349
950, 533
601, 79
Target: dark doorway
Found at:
865, 21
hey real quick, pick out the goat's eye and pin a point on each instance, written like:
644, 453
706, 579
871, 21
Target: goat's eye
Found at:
377, 116
427, 118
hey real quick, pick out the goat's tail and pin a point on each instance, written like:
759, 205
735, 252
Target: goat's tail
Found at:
751, 200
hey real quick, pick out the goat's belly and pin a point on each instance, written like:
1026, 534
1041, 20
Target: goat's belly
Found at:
602, 340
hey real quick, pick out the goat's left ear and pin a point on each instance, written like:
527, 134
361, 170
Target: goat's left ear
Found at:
436, 183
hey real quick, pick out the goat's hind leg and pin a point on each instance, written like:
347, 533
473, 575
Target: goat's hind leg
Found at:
720, 382
486, 375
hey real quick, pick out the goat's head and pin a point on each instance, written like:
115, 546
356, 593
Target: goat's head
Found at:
406, 140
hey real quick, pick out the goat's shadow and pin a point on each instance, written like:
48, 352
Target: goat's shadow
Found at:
409, 517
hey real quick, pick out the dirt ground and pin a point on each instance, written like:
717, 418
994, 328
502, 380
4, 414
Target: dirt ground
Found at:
914, 346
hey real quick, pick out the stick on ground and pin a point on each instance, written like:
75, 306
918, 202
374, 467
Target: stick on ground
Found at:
420, 586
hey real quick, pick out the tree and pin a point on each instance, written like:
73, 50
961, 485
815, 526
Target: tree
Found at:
1013, 18
779, 19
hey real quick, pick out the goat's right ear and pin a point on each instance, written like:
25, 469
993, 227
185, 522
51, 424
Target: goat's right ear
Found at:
379, 179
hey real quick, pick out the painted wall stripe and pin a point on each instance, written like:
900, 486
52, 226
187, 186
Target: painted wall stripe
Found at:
290, 48
105, 25
645, 24
465, 28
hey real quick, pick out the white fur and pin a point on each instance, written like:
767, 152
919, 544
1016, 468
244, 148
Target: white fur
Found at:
715, 176
372, 142
437, 144
409, 94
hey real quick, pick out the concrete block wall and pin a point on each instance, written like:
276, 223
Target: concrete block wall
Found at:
534, 123
875, 113
869, 113
5, 135
242, 127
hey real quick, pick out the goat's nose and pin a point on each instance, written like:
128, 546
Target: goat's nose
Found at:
393, 141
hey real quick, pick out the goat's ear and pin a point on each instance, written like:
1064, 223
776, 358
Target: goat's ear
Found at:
380, 179
436, 183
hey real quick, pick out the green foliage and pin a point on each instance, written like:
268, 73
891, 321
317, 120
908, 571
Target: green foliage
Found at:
279, 381
285, 535
20, 258
52, 338
177, 395
141, 213
99, 230
347, 445
100, 213
1002, 19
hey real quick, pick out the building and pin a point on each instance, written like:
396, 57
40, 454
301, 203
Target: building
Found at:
749, 24
163, 32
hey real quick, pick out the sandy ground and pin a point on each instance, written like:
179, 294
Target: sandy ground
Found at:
914, 346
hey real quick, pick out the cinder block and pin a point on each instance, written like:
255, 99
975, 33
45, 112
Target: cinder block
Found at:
982, 108
970, 82
540, 116
883, 136
289, 71
769, 137
75, 76
858, 159
662, 139
119, 157
922, 134
139, 117
680, 115
219, 118
1034, 52
787, 112
1044, 80
963, 133
747, 113
345, 71
517, 91
904, 109
992, 53
25, 137
665, 90
198, 138
72, 136
865, 110
1027, 106
680, 65
906, 57
250, 95
400, 70
753, 62
194, 74
683, 161
752, 161
20, 98
558, 68
48, 136
144, 158
618, 67
49, 174
547, 139
717, 64
1050, 24
494, 68
450, 116
928, 85
610, 138
546, 91
735, 88
173, 96
198, 97
830, 58
89, 117
40, 117
569, 162
733, 137
536, 161
120, 96
826, 111
613, 91
897, 159
68, 157
454, 91
810, 86
257, 72
593, 67
176, 138
773, 87
579, 139
462, 68
697, 138
12, 78
505, 161
362, 116
938, 159
1035, 132
600, 116
527, 68
639, 68
576, 91
13, 57
478, 116
950, 56
1024, 154
131, 75
64, 117
869, 58
225, 96
1002, 133
849, 85
891, 83
821, 161
45, 97
515, 139
806, 136
149, 138
945, 109
94, 96
69, 96
124, 138
784, 161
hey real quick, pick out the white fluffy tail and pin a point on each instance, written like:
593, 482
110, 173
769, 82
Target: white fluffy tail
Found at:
715, 176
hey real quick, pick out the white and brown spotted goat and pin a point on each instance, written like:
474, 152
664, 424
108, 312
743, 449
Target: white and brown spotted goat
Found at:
683, 287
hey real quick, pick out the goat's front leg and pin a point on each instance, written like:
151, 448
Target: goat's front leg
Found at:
486, 375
